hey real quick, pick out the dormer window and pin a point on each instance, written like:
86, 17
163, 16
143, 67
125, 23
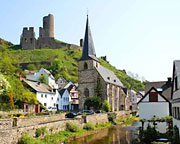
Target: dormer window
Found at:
85, 65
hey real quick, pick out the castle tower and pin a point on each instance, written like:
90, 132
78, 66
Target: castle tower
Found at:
28, 40
48, 27
87, 75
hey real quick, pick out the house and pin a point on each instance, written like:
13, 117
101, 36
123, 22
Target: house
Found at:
91, 73
154, 104
134, 99
164, 86
61, 82
176, 93
69, 97
50, 80
46, 95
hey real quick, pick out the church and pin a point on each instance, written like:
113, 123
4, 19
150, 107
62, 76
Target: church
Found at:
90, 70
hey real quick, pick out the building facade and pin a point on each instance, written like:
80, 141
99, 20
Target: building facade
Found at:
91, 71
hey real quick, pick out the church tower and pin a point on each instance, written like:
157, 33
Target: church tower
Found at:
87, 76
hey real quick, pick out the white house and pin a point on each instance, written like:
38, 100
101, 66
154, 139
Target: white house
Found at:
50, 79
154, 104
47, 96
64, 100
176, 94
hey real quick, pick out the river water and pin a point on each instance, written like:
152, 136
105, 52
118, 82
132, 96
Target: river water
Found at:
113, 135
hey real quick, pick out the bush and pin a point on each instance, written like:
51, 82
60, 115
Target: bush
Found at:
176, 139
40, 131
89, 126
112, 117
93, 102
106, 106
72, 127
26, 139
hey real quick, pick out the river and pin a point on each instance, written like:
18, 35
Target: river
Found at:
112, 135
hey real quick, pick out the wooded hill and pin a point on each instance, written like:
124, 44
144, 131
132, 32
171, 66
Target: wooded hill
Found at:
60, 62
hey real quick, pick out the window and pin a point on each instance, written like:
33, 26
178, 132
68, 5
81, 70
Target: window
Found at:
96, 64
51, 98
85, 65
54, 104
114, 80
41, 95
153, 97
86, 92
57, 99
45, 95
108, 78
45, 104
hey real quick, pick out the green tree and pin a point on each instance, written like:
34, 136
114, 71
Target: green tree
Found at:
176, 138
106, 106
43, 79
31, 67
93, 102
29, 97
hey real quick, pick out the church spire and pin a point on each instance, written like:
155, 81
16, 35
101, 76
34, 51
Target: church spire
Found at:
88, 47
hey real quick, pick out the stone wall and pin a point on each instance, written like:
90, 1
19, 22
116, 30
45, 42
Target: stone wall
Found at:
11, 136
96, 118
39, 120
52, 123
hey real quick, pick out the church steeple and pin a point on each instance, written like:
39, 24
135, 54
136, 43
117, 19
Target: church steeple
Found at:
88, 47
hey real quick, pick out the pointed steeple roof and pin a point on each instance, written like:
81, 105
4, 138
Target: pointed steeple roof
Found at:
88, 47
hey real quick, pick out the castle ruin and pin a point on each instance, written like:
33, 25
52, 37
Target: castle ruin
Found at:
46, 36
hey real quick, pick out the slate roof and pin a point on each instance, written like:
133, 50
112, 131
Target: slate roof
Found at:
108, 76
38, 87
88, 46
153, 88
61, 92
166, 87
48, 72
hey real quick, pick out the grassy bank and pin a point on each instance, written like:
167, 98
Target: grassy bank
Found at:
128, 121
64, 136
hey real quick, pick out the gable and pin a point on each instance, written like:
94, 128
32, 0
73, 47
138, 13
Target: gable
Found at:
153, 96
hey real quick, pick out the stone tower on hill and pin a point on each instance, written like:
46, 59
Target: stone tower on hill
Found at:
28, 40
48, 27
91, 73
46, 36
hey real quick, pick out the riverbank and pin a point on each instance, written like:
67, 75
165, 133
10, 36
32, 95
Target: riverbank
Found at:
73, 134
63, 136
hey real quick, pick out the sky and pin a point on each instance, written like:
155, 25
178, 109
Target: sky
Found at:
141, 36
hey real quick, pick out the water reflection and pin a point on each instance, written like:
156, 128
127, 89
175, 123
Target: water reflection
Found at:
114, 135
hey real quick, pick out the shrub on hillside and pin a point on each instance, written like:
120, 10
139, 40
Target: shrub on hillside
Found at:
106, 106
72, 127
112, 117
89, 126
41, 131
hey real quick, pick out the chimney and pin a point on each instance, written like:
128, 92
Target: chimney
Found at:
81, 42
169, 80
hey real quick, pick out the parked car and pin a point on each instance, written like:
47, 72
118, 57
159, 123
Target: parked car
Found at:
71, 115
98, 111
18, 116
52, 109
87, 112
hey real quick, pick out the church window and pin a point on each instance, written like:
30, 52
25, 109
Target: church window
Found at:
86, 92
85, 65
153, 97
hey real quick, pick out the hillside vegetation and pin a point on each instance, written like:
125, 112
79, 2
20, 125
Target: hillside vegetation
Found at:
61, 62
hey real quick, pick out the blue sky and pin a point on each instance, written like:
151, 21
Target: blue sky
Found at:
141, 36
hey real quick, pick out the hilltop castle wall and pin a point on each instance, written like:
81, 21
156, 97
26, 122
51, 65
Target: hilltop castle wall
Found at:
46, 36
